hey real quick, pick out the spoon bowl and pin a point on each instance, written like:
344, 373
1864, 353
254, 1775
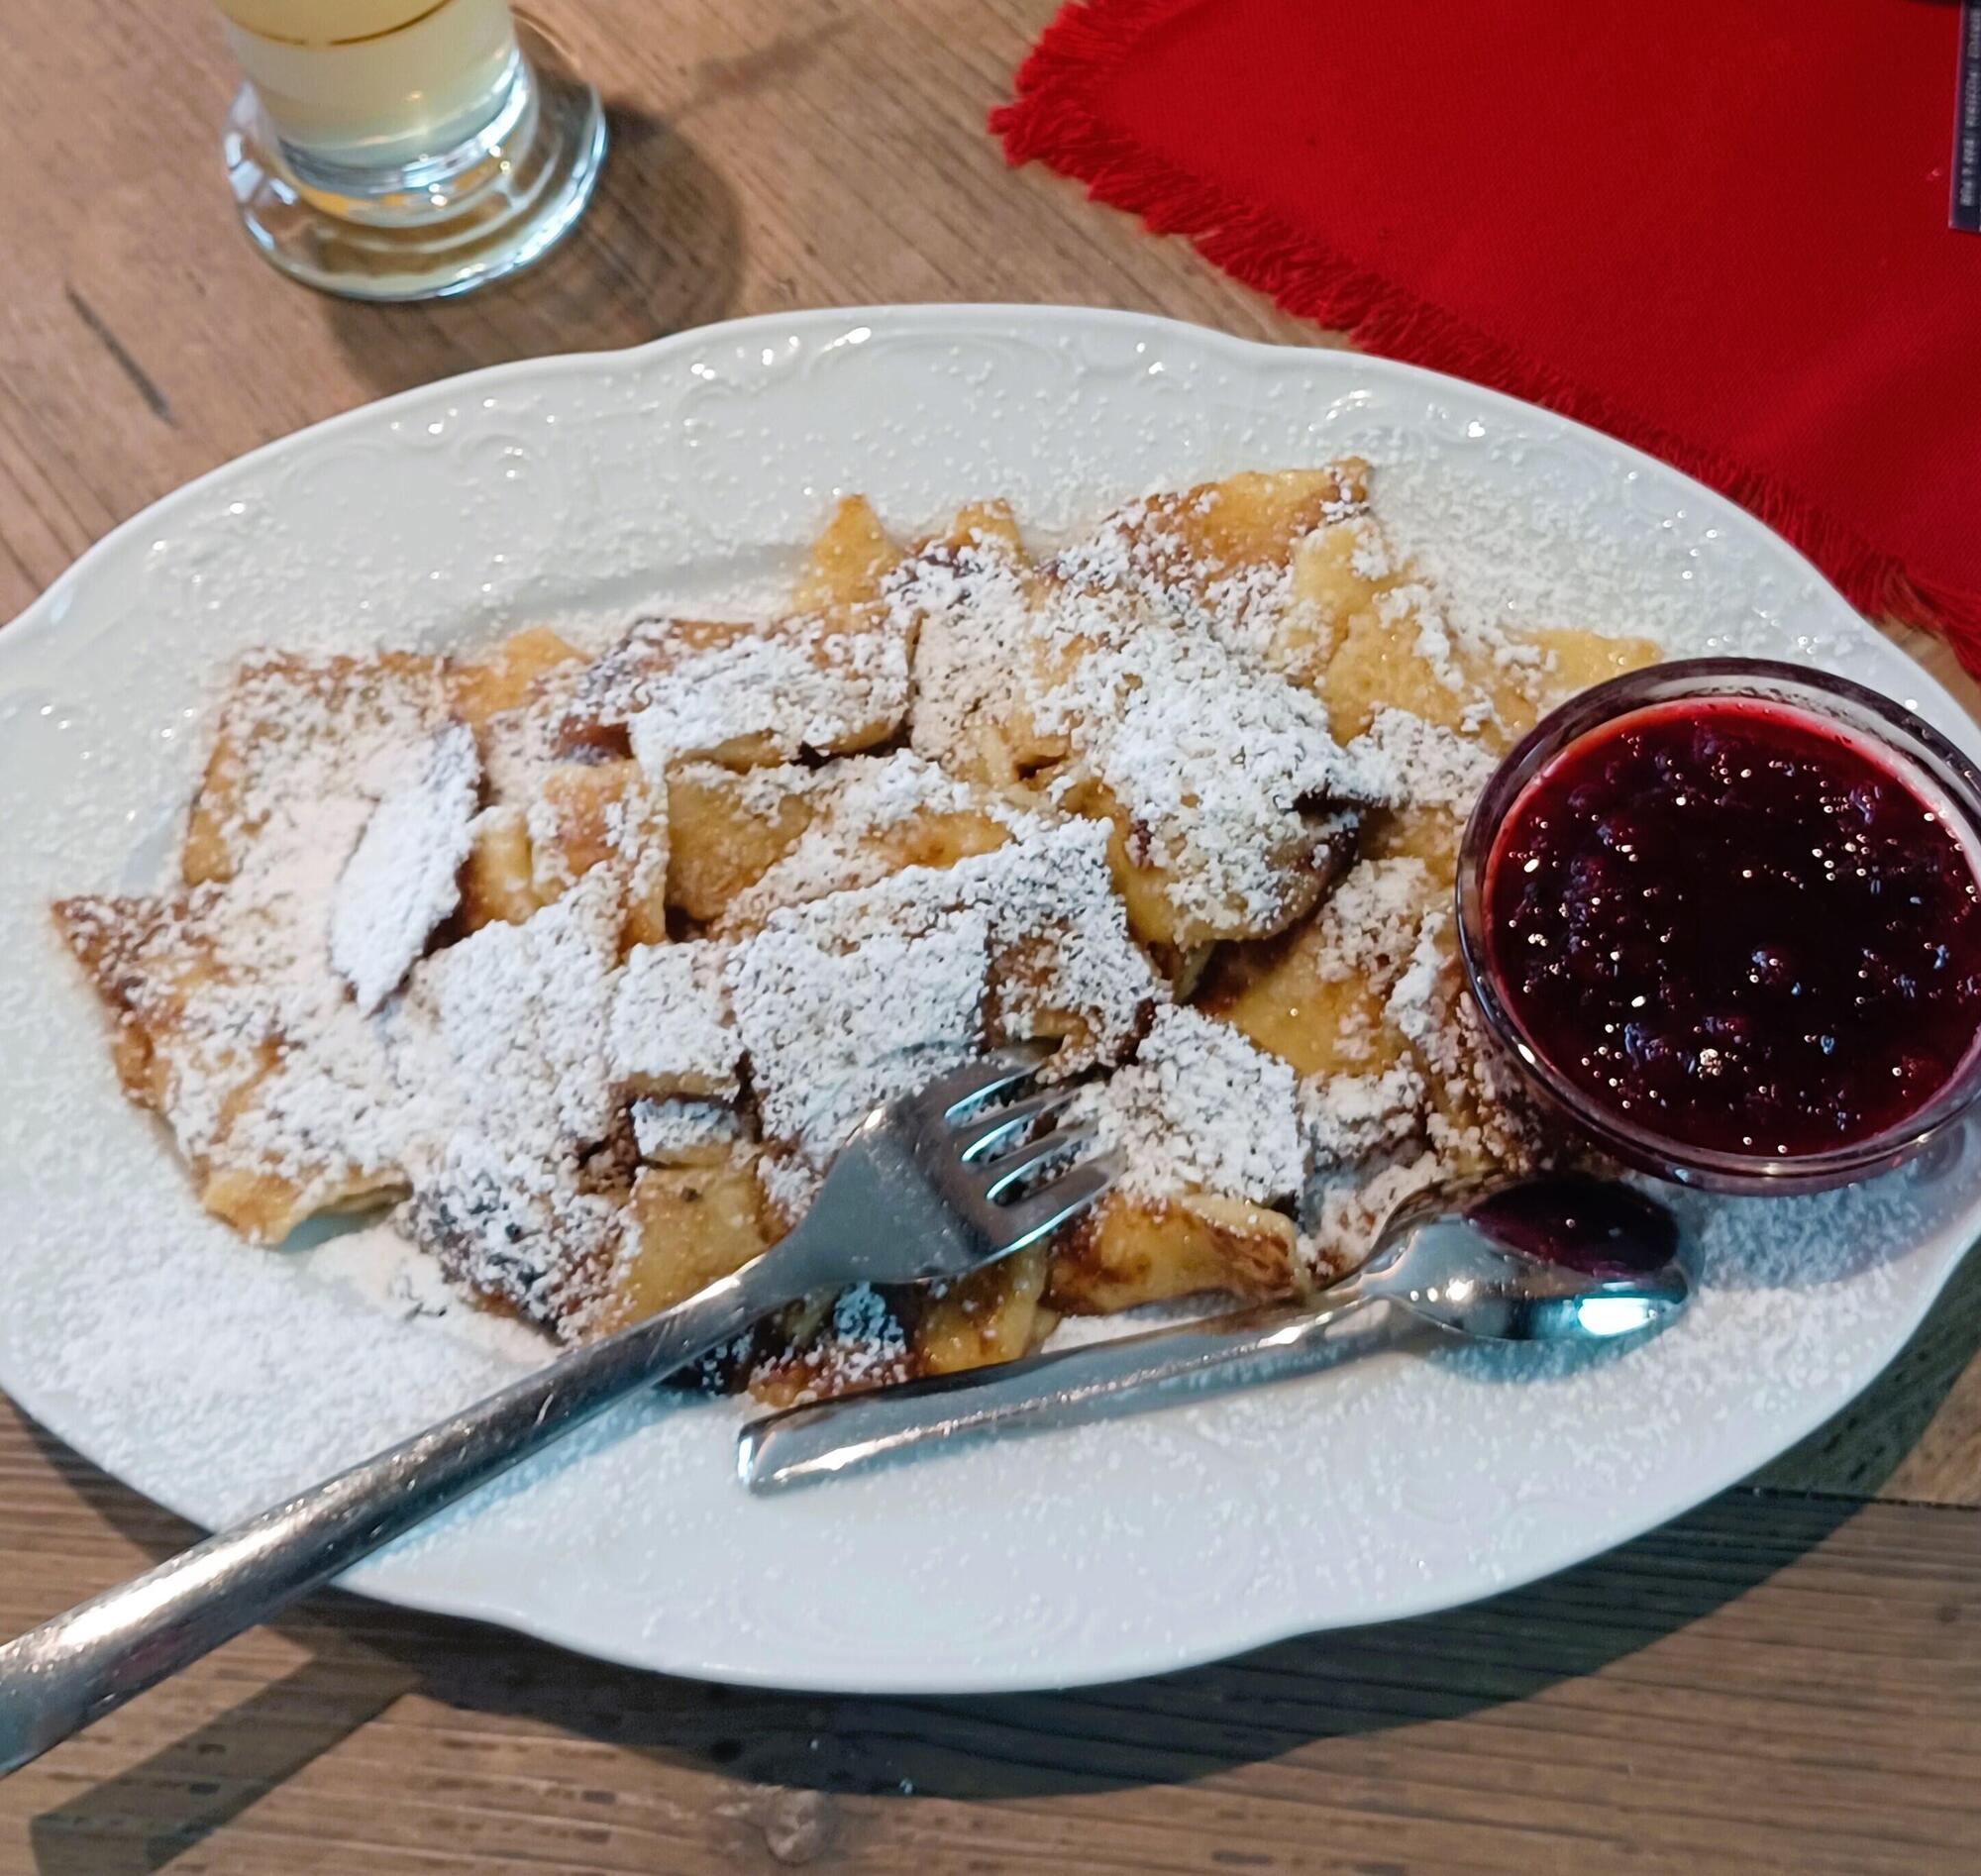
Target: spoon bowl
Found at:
1565, 1258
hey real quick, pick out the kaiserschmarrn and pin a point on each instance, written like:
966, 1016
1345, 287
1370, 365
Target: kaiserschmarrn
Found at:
584, 964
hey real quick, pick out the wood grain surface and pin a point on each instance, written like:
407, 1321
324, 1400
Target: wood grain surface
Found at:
1790, 1678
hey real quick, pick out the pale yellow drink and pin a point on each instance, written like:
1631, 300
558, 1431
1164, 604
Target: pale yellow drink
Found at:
374, 82
395, 150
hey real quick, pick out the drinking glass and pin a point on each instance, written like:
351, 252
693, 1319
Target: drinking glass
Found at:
396, 149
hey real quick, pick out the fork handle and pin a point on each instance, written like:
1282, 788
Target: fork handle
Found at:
77, 1667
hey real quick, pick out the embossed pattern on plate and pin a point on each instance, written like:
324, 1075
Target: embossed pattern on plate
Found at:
214, 1378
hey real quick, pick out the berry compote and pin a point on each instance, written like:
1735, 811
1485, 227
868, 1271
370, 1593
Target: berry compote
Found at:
1599, 1226
1733, 925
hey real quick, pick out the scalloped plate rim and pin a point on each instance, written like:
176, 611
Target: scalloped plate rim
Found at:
402, 1583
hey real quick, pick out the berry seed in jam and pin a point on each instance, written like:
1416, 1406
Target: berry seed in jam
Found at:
1734, 926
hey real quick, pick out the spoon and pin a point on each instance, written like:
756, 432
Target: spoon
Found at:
1556, 1259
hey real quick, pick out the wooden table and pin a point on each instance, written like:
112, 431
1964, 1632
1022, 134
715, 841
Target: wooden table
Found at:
1789, 1678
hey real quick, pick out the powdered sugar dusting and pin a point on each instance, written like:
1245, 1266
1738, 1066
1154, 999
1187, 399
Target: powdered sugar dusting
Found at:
1114, 677
969, 609
1060, 941
1200, 1108
1373, 921
671, 1030
405, 877
838, 1016
860, 803
502, 1058
277, 1088
148, 1338
1218, 799
686, 689
1350, 1118
1422, 764
508, 1028
682, 1128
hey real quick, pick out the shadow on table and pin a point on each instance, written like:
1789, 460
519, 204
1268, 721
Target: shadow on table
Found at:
658, 249
1170, 1728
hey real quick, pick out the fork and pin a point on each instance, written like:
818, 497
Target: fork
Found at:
932, 1185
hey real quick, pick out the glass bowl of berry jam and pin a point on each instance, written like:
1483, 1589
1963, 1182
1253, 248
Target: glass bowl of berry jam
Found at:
1727, 914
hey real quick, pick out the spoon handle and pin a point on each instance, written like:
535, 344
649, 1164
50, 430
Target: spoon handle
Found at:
815, 1441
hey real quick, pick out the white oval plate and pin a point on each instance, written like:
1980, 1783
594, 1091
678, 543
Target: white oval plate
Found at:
214, 1378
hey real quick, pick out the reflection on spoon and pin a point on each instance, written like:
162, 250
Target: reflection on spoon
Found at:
1558, 1259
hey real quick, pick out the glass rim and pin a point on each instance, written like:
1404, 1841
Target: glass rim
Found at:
1917, 751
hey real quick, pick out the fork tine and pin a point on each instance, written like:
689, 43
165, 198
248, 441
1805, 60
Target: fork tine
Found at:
1046, 1210
955, 1095
1012, 1169
984, 1135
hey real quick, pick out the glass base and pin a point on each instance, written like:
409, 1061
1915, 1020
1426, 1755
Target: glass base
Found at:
449, 223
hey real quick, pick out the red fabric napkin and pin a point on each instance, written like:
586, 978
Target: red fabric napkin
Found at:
1714, 228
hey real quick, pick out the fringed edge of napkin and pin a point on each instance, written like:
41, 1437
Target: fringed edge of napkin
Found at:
1051, 119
